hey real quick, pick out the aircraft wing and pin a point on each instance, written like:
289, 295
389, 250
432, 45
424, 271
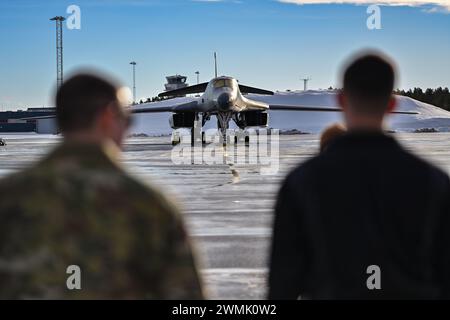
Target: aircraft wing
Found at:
50, 116
247, 89
191, 106
198, 88
143, 110
326, 109
302, 108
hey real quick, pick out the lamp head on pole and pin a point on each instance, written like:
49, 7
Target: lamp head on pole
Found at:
58, 18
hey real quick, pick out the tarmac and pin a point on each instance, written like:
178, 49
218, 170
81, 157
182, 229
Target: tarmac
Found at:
228, 208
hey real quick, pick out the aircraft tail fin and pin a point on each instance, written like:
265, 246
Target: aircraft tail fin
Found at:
215, 64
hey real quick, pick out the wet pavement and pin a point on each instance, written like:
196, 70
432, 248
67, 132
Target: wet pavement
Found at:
228, 208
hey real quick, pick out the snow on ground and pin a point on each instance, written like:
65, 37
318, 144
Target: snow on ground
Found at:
429, 116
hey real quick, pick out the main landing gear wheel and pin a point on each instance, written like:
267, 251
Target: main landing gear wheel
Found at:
176, 138
242, 136
203, 137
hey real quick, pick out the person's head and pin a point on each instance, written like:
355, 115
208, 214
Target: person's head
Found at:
330, 134
367, 94
89, 108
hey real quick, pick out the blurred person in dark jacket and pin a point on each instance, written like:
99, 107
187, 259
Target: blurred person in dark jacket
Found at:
365, 219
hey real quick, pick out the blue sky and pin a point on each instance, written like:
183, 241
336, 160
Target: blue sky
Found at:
263, 43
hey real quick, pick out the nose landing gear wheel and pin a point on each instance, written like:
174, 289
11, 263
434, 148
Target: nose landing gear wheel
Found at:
223, 119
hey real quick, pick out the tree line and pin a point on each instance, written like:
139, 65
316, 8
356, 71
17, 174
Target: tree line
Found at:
439, 97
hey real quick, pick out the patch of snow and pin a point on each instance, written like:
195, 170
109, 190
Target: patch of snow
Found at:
428, 115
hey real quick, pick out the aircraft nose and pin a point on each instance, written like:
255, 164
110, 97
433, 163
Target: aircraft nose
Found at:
224, 101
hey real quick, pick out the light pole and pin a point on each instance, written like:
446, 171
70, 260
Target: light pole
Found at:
134, 81
198, 76
305, 82
59, 49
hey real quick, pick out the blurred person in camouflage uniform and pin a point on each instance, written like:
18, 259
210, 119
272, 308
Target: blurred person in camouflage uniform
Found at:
77, 206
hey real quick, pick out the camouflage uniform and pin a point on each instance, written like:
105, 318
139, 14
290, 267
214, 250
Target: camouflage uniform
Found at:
78, 207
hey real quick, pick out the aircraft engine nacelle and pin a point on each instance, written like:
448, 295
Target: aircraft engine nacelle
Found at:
253, 119
182, 120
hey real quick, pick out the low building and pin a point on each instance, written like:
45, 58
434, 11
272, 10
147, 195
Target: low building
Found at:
18, 121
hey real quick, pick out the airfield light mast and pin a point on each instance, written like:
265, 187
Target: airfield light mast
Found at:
198, 76
215, 64
133, 63
305, 83
59, 49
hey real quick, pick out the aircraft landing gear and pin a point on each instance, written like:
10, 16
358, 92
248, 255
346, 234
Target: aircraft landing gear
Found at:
176, 137
242, 136
196, 130
223, 120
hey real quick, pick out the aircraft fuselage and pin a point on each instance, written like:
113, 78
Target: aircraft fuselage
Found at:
222, 95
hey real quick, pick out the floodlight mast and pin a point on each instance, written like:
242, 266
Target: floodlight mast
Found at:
133, 63
59, 49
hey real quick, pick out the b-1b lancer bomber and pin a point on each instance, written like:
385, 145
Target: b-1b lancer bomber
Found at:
224, 98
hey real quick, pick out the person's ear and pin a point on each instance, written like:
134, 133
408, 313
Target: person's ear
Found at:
392, 104
341, 99
106, 118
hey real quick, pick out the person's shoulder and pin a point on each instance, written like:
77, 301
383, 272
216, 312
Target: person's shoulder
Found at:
15, 189
148, 205
438, 176
17, 179
428, 173
305, 171
425, 165
146, 193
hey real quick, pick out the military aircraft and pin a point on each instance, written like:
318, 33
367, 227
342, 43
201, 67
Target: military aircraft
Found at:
224, 98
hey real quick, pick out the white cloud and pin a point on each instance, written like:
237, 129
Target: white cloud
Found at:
445, 4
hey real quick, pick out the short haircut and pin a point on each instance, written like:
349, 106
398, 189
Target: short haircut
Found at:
81, 99
370, 80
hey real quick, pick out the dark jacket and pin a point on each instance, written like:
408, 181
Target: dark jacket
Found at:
364, 201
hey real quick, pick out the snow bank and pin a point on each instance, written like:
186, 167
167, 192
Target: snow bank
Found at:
428, 116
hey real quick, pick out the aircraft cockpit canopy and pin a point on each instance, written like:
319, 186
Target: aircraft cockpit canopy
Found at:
220, 83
